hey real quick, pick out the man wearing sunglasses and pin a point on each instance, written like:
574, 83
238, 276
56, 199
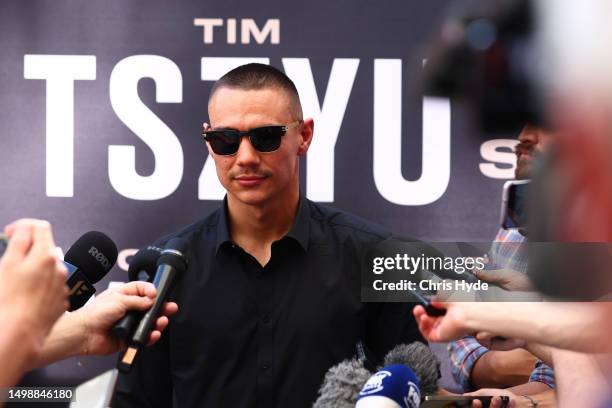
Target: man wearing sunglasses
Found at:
271, 299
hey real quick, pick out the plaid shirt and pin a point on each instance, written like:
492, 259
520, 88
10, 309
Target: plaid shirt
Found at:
465, 352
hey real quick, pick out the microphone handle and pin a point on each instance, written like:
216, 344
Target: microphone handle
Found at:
164, 278
125, 327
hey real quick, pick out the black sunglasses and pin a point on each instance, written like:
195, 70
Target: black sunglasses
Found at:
265, 139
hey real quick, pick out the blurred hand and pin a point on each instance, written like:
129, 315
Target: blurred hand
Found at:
33, 292
449, 327
98, 317
516, 401
506, 279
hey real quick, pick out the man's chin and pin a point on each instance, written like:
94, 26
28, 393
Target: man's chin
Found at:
251, 197
523, 170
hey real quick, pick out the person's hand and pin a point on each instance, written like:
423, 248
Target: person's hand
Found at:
449, 327
98, 317
515, 401
506, 279
494, 342
33, 292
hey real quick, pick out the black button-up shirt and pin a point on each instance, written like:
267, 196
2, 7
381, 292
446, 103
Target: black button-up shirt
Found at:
248, 335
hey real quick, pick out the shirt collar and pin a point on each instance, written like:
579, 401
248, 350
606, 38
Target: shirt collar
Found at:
223, 234
300, 231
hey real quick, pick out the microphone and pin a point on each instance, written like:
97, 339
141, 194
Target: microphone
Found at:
393, 386
171, 263
88, 260
342, 384
142, 268
144, 264
420, 359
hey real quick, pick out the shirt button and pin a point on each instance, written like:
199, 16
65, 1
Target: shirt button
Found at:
265, 367
266, 319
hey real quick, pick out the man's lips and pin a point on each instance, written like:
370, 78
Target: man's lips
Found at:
523, 152
524, 155
250, 181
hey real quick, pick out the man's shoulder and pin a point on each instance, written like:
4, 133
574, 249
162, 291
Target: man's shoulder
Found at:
345, 223
201, 228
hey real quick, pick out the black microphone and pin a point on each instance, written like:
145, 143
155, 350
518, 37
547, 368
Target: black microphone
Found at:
171, 263
88, 260
142, 268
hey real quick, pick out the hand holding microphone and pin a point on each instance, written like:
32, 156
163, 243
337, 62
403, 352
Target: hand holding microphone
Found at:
171, 264
90, 258
142, 268
88, 329
97, 318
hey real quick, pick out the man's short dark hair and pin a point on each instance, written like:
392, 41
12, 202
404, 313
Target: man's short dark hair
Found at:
256, 76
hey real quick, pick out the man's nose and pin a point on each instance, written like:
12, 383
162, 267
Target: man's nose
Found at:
247, 155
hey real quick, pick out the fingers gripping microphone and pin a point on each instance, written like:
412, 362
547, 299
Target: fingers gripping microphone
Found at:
88, 260
142, 268
170, 265
393, 386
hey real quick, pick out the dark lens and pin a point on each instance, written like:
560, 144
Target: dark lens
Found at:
267, 138
223, 142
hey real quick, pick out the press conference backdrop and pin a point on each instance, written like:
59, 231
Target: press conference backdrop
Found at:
101, 106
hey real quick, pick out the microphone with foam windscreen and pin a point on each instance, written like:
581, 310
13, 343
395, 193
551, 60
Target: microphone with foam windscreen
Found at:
342, 384
421, 360
88, 260
171, 264
142, 268
393, 386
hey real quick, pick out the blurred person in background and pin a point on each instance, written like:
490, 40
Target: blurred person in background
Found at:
474, 366
559, 53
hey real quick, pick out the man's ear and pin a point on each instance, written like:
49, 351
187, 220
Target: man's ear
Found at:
205, 127
306, 134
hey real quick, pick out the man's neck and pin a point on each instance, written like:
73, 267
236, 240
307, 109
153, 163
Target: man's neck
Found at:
255, 227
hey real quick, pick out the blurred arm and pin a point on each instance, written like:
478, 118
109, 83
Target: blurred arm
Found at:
572, 326
501, 369
580, 382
